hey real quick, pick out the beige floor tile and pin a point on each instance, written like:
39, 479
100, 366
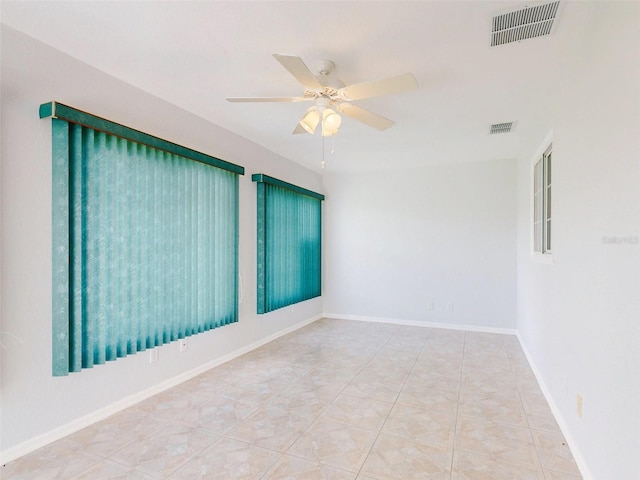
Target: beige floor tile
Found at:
330, 375
454, 350
435, 381
471, 396
166, 450
493, 349
528, 387
554, 452
443, 334
400, 458
501, 407
375, 389
441, 364
106, 437
399, 360
470, 466
294, 468
218, 415
540, 417
249, 368
171, 402
404, 344
381, 367
324, 391
488, 368
258, 391
308, 359
443, 347
380, 375
419, 395
363, 413
430, 427
522, 370
286, 372
400, 349
487, 383
334, 444
228, 460
59, 460
440, 368
550, 475
271, 428
208, 387
501, 442
309, 401
108, 470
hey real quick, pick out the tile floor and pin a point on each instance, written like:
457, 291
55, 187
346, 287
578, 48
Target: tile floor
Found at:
337, 400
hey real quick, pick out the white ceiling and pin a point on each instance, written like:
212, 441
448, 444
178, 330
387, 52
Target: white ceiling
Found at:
194, 54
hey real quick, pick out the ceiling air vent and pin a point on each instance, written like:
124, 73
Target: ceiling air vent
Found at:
522, 24
501, 128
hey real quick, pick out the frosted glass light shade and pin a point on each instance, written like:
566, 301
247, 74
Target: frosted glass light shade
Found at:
310, 121
330, 122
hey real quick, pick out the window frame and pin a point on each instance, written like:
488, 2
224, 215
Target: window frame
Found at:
542, 204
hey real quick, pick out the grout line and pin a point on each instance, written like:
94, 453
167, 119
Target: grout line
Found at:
323, 344
455, 425
524, 410
393, 404
317, 417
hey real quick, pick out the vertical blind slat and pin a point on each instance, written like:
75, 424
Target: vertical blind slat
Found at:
288, 247
145, 245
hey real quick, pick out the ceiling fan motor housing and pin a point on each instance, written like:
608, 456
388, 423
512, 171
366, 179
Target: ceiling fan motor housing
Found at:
325, 67
326, 79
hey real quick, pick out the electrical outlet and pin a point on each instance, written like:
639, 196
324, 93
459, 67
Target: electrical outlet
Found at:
430, 305
154, 355
184, 346
450, 307
579, 405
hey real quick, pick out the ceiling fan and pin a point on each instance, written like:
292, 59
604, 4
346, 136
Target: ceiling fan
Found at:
329, 95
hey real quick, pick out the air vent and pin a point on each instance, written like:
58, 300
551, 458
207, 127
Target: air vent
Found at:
501, 128
528, 22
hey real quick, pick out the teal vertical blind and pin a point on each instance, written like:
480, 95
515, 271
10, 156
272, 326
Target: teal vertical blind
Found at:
145, 246
289, 243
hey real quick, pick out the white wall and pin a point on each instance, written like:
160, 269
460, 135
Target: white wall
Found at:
397, 239
393, 241
579, 319
33, 402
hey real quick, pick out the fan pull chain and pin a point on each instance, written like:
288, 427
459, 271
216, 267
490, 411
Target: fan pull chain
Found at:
323, 164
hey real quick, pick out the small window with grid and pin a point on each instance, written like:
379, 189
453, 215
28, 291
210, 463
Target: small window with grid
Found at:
542, 203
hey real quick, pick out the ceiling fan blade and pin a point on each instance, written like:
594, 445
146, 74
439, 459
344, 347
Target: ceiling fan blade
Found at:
377, 88
299, 129
266, 99
299, 70
365, 116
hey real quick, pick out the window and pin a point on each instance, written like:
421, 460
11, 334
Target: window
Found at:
542, 203
289, 243
145, 240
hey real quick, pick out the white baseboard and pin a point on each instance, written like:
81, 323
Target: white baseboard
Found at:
419, 323
577, 454
34, 443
